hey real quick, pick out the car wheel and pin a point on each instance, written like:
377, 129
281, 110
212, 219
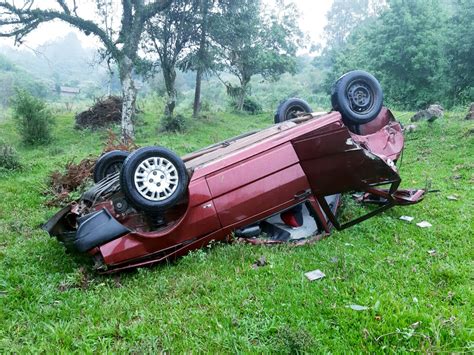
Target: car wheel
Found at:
290, 109
153, 179
109, 163
357, 95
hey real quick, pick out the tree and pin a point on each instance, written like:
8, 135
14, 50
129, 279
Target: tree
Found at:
19, 18
344, 16
249, 42
460, 53
172, 33
202, 60
403, 48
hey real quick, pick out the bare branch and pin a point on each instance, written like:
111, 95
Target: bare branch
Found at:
64, 6
153, 8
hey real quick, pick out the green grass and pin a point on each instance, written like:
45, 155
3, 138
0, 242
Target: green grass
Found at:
214, 301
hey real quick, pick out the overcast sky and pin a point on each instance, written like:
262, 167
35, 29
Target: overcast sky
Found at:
312, 22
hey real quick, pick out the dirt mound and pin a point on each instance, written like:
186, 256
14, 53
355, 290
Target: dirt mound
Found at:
104, 112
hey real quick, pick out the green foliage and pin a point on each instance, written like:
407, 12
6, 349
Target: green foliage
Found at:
402, 49
12, 77
249, 41
9, 159
33, 119
175, 123
460, 53
250, 106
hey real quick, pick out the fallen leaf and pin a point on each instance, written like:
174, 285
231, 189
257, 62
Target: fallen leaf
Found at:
314, 275
407, 218
357, 307
424, 224
262, 261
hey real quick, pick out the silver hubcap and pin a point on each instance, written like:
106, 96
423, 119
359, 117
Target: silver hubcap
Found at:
156, 179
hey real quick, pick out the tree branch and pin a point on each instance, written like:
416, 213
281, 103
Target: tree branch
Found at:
31, 18
153, 8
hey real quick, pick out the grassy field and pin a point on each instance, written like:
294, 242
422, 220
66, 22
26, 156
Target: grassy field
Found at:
417, 283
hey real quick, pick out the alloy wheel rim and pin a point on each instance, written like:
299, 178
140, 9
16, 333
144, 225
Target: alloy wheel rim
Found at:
156, 179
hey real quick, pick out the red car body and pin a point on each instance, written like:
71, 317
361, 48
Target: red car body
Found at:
242, 181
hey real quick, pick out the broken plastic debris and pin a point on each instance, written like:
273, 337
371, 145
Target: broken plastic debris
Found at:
357, 307
314, 275
424, 224
262, 261
452, 198
432, 252
407, 218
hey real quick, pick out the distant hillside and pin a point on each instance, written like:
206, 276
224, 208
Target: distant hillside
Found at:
11, 76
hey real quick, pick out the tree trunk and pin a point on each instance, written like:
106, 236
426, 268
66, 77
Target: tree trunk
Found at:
169, 74
243, 93
197, 93
129, 93
201, 59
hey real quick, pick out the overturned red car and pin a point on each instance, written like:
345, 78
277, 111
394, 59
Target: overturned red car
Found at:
151, 205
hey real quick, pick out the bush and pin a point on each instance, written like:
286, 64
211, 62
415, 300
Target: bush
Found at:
9, 159
250, 106
34, 121
173, 123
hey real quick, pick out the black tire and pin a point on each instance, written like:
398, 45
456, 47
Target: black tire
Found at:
358, 96
109, 163
157, 187
290, 108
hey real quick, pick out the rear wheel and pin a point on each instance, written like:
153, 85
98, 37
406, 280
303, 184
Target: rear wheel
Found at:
290, 109
358, 96
109, 163
153, 179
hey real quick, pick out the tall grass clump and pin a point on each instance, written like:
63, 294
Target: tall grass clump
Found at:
33, 119
9, 159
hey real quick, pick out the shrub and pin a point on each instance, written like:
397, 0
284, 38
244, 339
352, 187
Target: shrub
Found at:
34, 121
9, 159
173, 123
250, 106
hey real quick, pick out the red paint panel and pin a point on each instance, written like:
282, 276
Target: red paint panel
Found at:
198, 192
260, 195
252, 169
200, 218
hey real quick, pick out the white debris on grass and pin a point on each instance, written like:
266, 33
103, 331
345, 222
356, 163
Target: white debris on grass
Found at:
357, 307
407, 218
314, 275
424, 224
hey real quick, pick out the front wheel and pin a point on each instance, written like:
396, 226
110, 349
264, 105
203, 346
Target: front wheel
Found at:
153, 179
358, 96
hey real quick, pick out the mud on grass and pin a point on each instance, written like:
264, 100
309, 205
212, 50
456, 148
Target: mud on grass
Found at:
214, 301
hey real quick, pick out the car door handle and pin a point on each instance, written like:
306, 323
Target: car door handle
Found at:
302, 194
